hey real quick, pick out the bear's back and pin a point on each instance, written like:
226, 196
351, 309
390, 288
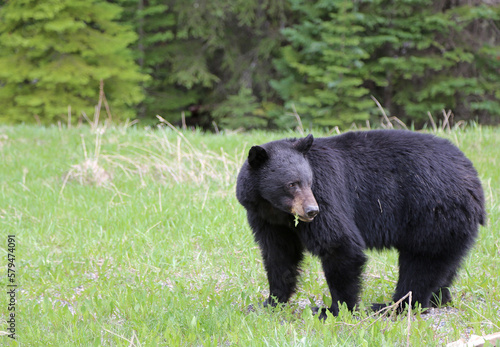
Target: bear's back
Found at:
397, 150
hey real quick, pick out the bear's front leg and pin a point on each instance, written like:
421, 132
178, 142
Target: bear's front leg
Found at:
282, 251
343, 268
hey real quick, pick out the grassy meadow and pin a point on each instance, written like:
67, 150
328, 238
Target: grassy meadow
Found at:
134, 237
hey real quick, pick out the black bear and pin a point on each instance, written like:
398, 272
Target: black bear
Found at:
337, 196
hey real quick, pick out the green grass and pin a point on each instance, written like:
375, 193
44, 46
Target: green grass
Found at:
135, 237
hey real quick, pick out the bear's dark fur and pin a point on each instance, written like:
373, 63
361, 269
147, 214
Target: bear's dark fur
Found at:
376, 189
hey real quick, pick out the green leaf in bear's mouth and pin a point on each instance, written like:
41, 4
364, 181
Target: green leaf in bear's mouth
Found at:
296, 219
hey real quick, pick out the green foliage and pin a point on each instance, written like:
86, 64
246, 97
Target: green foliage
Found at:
425, 57
249, 63
413, 56
205, 56
239, 39
240, 110
54, 53
322, 65
155, 24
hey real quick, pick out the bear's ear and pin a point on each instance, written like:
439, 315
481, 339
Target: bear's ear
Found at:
257, 156
303, 145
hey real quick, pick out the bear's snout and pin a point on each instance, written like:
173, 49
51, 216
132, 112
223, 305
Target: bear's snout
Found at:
311, 211
305, 206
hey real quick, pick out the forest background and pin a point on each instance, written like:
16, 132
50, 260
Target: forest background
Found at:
249, 63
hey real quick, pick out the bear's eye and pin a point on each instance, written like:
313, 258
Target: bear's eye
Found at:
293, 184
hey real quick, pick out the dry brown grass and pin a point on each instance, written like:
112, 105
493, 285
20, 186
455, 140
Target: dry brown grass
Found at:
89, 172
164, 158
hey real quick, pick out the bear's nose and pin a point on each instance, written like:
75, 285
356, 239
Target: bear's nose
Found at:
311, 211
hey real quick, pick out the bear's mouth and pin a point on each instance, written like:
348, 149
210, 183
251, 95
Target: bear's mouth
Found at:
305, 219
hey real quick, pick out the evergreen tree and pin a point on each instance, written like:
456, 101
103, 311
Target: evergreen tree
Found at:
207, 57
54, 53
155, 24
424, 57
211, 60
323, 63
413, 56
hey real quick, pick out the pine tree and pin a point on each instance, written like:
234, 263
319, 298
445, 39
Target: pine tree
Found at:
414, 56
54, 53
155, 24
426, 57
322, 64
210, 59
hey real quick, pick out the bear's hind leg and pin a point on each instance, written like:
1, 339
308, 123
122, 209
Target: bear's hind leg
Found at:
424, 276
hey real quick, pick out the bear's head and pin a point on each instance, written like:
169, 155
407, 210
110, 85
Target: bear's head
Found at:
283, 177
